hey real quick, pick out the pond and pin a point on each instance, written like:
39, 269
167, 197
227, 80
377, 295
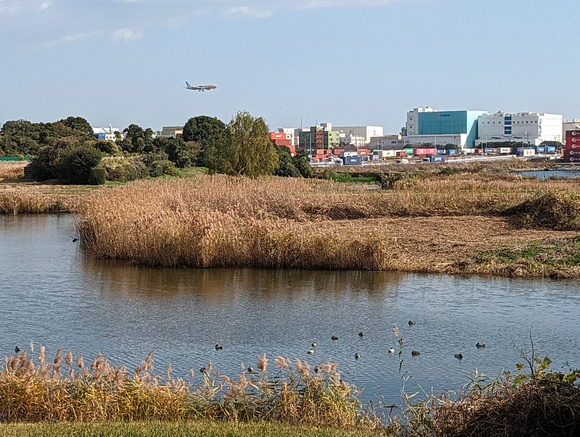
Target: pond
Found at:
52, 294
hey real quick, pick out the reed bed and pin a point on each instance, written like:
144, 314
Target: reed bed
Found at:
67, 390
23, 202
12, 170
218, 220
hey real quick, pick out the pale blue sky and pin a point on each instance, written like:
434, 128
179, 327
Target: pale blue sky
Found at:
348, 62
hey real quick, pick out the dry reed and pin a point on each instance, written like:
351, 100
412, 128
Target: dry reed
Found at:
67, 390
218, 220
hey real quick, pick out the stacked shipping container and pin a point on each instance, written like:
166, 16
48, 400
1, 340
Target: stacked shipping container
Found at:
572, 151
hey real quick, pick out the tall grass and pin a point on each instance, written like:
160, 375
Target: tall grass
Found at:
22, 202
219, 220
65, 389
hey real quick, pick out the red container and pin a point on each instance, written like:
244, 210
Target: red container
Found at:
572, 156
572, 133
429, 151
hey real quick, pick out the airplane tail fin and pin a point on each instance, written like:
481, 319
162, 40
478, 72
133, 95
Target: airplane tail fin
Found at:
187, 83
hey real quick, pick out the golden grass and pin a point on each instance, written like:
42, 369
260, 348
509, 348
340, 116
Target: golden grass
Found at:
67, 390
12, 170
218, 220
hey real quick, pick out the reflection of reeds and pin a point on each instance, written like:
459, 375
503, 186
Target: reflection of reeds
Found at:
42, 392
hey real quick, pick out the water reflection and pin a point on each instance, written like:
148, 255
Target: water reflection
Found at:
52, 294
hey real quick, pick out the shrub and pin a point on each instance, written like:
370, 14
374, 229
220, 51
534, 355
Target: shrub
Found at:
161, 168
97, 176
75, 164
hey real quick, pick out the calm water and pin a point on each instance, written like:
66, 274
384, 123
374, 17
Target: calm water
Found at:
546, 174
53, 295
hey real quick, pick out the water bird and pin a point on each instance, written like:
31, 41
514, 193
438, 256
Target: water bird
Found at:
356, 356
415, 353
334, 337
392, 350
361, 334
314, 344
17, 349
218, 347
311, 352
458, 356
251, 370
75, 239
411, 323
401, 341
203, 370
479, 345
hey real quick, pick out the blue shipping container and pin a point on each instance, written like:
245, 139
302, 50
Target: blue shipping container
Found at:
352, 160
489, 151
551, 149
438, 158
451, 151
440, 152
540, 149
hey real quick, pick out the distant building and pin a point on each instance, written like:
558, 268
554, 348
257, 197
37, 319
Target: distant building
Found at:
567, 125
429, 125
283, 139
387, 142
356, 132
171, 132
106, 133
529, 128
319, 139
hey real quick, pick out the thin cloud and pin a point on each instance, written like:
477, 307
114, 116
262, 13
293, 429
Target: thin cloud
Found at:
127, 35
246, 11
74, 37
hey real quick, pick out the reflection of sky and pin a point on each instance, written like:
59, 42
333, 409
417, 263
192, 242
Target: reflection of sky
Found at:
50, 293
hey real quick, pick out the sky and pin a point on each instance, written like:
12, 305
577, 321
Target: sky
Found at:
293, 62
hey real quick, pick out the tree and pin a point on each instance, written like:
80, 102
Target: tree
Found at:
136, 139
79, 124
287, 167
246, 148
203, 129
302, 164
75, 164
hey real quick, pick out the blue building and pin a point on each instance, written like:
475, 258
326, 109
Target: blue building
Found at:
428, 125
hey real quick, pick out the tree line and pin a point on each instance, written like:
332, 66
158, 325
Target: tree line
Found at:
67, 150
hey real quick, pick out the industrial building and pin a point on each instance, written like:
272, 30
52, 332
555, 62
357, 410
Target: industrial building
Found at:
439, 128
319, 139
528, 128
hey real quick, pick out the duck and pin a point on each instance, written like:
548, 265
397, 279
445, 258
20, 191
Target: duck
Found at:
415, 353
17, 349
401, 341
218, 347
361, 334
392, 350
311, 352
314, 344
334, 337
479, 345
411, 322
251, 370
203, 370
458, 356
356, 356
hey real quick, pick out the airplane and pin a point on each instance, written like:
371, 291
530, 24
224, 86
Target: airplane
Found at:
200, 87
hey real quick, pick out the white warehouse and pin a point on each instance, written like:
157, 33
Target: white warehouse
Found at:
523, 127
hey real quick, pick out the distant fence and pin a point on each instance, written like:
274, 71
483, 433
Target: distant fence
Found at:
14, 158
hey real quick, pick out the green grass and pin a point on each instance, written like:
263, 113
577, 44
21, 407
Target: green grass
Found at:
171, 429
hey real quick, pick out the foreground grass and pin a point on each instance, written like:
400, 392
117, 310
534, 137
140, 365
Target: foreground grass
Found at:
172, 429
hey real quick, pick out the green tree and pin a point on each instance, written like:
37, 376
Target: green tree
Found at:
207, 132
302, 163
78, 124
246, 148
75, 163
287, 167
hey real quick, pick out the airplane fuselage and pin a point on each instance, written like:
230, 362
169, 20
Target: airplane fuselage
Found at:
200, 87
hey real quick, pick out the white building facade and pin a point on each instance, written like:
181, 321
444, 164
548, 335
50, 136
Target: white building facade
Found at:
365, 132
528, 128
